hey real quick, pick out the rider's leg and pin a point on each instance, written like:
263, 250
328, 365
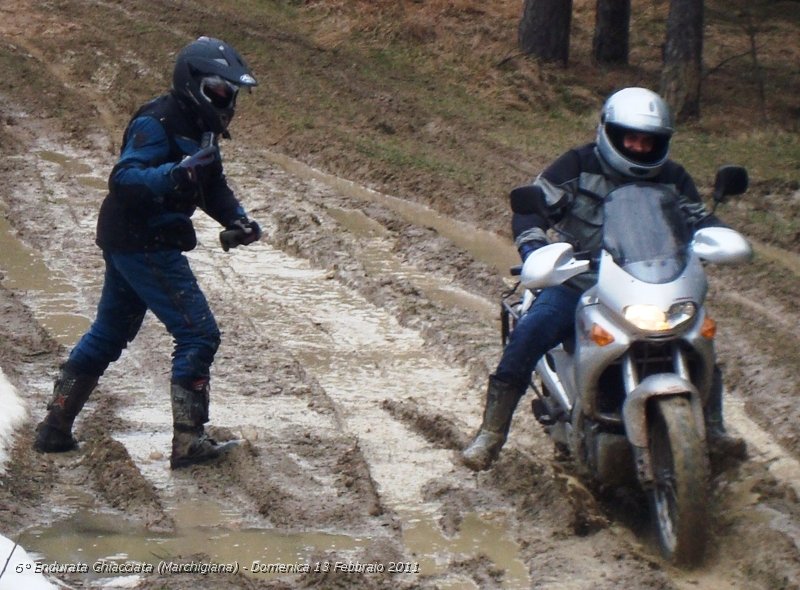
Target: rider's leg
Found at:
167, 284
721, 444
119, 317
549, 320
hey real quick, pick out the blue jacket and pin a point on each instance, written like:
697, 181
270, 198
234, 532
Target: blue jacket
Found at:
144, 210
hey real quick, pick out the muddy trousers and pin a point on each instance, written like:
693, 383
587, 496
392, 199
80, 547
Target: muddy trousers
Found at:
70, 392
547, 323
164, 283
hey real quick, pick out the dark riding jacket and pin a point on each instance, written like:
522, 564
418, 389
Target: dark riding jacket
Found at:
144, 209
572, 195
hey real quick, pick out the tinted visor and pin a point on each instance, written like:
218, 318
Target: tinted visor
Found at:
219, 92
616, 133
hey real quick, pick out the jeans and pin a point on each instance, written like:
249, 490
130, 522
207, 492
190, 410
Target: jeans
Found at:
548, 322
164, 283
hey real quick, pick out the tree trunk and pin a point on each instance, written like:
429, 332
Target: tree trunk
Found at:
683, 58
611, 31
544, 29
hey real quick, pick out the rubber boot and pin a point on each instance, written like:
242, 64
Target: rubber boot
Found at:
70, 392
190, 443
721, 445
501, 400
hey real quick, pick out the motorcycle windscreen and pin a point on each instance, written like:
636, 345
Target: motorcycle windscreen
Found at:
646, 232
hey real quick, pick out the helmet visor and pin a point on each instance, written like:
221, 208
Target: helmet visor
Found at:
658, 144
219, 92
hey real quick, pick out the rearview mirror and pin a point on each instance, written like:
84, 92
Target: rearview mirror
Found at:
721, 245
730, 180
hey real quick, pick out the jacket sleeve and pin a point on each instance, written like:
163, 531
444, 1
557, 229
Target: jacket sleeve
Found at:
142, 171
547, 199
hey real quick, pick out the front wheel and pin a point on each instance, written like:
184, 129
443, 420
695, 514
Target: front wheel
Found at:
678, 498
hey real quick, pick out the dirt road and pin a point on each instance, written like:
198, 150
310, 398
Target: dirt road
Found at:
356, 341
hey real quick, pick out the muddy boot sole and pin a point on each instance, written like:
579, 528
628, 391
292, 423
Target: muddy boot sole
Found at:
483, 451
218, 451
51, 440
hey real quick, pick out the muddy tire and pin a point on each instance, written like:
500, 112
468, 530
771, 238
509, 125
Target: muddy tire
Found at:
678, 499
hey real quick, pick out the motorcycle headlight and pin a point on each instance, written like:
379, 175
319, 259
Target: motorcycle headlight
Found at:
651, 318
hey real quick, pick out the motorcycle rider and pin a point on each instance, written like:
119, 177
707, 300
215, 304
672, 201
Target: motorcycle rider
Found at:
632, 144
144, 227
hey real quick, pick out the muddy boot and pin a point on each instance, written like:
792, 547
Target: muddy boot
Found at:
501, 400
70, 392
190, 443
722, 447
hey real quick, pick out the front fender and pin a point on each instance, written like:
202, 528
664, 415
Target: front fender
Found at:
634, 410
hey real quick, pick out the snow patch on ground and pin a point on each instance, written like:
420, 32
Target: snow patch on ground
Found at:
13, 414
20, 570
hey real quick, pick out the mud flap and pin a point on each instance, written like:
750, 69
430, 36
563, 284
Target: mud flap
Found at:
634, 413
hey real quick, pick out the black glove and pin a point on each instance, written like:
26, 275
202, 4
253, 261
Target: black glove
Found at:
240, 232
185, 174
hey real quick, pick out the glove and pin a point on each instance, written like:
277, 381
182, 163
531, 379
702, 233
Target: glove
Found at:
185, 173
527, 248
240, 232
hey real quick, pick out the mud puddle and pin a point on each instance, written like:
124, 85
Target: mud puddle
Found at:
201, 529
54, 300
96, 539
478, 535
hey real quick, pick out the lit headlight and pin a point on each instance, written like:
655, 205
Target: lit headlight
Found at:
653, 319
680, 313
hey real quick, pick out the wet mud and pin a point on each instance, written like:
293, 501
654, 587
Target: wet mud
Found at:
357, 336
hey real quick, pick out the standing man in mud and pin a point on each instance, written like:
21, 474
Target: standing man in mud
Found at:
633, 143
169, 166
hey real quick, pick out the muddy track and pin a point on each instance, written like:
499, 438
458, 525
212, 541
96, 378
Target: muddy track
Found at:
356, 342
319, 410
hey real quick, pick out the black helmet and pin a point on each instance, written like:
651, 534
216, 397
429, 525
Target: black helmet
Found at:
208, 74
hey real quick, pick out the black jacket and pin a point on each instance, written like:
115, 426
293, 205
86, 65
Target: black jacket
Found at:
570, 199
144, 210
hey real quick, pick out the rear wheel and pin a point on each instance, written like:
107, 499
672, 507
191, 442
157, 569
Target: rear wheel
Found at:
678, 499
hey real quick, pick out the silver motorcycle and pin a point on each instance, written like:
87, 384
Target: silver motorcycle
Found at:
624, 396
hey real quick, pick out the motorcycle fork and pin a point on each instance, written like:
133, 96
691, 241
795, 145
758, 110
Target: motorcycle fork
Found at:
631, 379
630, 372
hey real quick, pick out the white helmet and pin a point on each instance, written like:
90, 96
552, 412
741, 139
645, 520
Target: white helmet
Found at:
642, 111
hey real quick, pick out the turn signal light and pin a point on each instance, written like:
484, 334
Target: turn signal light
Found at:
600, 335
709, 328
